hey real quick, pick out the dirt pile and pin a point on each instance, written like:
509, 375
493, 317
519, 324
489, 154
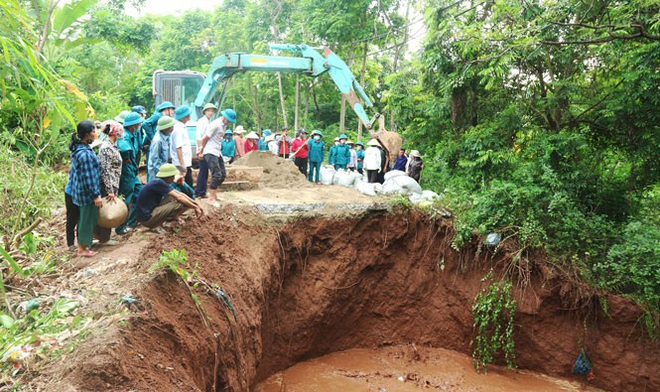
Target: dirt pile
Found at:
310, 287
278, 172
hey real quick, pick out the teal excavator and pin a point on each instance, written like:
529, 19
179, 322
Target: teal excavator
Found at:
196, 89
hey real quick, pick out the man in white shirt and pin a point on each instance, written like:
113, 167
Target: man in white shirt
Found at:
180, 148
202, 124
372, 160
212, 151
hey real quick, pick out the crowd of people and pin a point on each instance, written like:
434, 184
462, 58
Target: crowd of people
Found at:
309, 154
96, 179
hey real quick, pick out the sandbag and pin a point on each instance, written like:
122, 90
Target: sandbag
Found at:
327, 175
338, 174
112, 213
391, 187
415, 198
366, 188
394, 173
429, 195
360, 178
345, 178
408, 184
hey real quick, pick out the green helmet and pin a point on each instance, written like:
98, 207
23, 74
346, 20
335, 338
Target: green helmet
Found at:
165, 122
209, 106
132, 118
121, 116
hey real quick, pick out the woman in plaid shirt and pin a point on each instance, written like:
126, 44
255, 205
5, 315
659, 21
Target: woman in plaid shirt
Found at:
85, 185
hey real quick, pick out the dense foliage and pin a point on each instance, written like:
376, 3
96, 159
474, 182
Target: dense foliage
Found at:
539, 120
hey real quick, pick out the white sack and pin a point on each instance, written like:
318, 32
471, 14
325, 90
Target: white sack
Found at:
345, 178
408, 184
327, 175
394, 173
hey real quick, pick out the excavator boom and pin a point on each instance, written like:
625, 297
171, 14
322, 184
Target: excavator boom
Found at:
311, 63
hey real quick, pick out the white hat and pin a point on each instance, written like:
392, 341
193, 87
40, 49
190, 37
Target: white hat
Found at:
252, 135
269, 138
239, 129
415, 153
373, 142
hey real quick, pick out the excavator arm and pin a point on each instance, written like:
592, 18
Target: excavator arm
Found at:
310, 63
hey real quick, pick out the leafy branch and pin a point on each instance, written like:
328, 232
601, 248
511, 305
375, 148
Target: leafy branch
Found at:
493, 311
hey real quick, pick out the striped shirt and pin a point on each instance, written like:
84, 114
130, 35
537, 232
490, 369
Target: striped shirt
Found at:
86, 181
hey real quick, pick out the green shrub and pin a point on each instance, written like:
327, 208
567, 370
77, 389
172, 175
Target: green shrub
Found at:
493, 312
15, 173
633, 266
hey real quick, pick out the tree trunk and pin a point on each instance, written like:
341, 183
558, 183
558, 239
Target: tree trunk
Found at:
342, 115
296, 122
307, 103
257, 111
316, 103
279, 82
395, 66
362, 72
276, 35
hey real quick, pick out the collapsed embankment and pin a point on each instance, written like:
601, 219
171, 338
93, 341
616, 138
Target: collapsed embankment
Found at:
313, 286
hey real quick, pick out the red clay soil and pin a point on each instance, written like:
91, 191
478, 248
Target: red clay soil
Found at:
310, 287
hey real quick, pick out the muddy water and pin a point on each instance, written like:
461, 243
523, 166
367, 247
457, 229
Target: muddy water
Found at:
407, 369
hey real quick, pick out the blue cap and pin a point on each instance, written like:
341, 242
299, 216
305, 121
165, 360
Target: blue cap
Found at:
132, 118
229, 132
139, 109
164, 105
317, 132
230, 115
343, 136
181, 112
266, 132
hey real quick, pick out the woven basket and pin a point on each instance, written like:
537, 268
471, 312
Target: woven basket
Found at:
112, 214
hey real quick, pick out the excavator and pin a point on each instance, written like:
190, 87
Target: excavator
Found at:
196, 89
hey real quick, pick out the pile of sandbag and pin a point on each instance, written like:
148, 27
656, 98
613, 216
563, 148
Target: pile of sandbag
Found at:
396, 183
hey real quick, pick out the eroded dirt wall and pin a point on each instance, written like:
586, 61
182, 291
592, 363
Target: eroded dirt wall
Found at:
380, 281
315, 286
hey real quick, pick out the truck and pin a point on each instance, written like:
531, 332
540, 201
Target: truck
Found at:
196, 89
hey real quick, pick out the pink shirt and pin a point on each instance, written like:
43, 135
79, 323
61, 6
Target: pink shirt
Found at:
240, 151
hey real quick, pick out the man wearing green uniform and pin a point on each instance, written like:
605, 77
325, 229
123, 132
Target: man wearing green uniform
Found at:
342, 153
149, 126
129, 183
360, 156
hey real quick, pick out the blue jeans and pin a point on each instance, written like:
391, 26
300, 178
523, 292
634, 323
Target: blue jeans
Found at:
314, 171
202, 179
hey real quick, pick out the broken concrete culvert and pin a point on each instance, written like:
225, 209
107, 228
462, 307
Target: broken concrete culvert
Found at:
302, 288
